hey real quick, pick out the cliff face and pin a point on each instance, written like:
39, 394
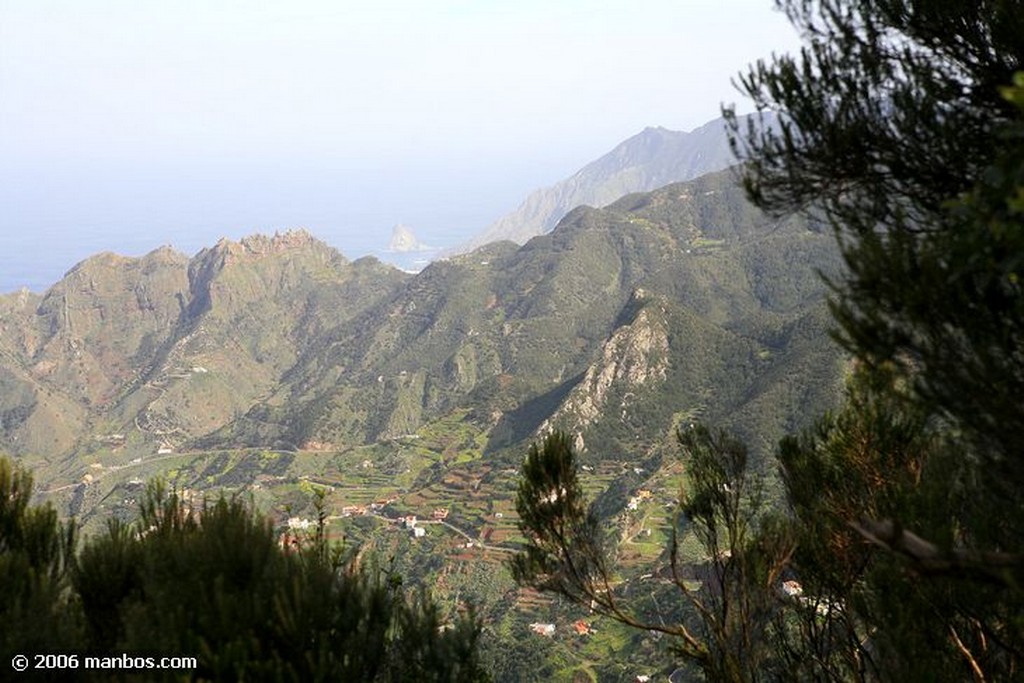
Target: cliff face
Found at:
632, 362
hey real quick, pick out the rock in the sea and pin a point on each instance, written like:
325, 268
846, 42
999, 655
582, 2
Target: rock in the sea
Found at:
403, 239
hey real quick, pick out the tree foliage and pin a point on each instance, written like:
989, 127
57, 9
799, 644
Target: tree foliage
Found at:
902, 123
569, 552
878, 601
891, 108
895, 121
36, 555
215, 583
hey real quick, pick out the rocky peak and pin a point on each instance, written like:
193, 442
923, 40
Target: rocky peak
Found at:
258, 245
403, 239
289, 240
634, 355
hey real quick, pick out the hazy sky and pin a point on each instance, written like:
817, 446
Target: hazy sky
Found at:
129, 124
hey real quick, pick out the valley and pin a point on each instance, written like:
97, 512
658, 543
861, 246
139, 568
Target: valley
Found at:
275, 369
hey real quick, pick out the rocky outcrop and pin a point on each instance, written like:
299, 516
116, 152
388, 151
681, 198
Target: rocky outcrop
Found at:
635, 356
404, 240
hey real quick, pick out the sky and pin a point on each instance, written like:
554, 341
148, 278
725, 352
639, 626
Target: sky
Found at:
127, 125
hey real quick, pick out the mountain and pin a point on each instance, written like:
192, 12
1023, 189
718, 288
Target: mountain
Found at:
163, 348
646, 161
680, 303
275, 367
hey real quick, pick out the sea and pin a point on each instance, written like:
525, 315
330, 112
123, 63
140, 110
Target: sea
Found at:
49, 222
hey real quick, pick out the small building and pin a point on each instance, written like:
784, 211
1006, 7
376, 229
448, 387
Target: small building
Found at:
547, 630
792, 588
289, 542
440, 514
418, 532
581, 627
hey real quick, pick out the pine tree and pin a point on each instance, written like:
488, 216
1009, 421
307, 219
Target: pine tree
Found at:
215, 584
899, 124
893, 123
570, 554
36, 555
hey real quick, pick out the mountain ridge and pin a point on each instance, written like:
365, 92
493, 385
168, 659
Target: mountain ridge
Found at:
681, 303
652, 158
276, 369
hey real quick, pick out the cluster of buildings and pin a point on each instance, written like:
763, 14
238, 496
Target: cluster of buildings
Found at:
641, 495
581, 627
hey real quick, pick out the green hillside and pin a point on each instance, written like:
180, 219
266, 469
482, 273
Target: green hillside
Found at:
276, 367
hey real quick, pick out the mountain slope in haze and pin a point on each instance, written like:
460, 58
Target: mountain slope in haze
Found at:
646, 161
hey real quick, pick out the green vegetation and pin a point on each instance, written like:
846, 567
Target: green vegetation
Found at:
274, 369
878, 541
723, 625
37, 553
898, 552
293, 374
604, 328
214, 583
926, 146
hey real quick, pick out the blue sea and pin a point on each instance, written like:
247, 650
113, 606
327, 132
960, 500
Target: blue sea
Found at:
52, 219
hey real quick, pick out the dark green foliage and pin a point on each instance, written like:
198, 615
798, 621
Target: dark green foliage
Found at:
898, 121
895, 123
509, 658
733, 608
36, 553
218, 584
106, 574
867, 614
215, 584
904, 534
891, 108
947, 306
567, 553
723, 506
